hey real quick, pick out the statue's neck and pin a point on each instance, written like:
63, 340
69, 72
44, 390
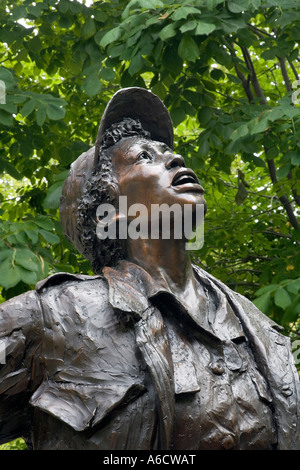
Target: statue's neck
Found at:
167, 261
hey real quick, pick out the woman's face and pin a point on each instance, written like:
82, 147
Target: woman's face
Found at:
148, 173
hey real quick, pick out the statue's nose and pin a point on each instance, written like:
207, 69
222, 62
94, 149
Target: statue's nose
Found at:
174, 161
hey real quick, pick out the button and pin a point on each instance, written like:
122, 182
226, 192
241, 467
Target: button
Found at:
232, 358
218, 367
228, 442
286, 390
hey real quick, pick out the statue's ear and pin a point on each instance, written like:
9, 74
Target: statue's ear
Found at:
111, 222
108, 213
112, 190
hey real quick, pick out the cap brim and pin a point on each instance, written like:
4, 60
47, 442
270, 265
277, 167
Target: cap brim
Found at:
142, 104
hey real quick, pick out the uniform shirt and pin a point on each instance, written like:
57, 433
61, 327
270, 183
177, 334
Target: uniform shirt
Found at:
113, 362
222, 400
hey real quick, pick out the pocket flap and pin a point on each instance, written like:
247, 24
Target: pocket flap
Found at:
261, 385
82, 406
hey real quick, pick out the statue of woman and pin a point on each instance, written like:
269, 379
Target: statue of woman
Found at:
151, 353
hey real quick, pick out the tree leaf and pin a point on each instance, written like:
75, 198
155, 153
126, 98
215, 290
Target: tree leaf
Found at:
32, 234
189, 26
89, 28
241, 194
55, 112
92, 85
6, 118
40, 115
265, 289
238, 6
294, 286
142, 4
108, 74
204, 28
44, 222
204, 115
27, 259
52, 198
292, 311
282, 298
177, 115
19, 12
241, 131
167, 32
171, 60
203, 148
28, 107
136, 64
258, 125
188, 49
7, 77
35, 44
263, 302
111, 36
9, 275
232, 25
295, 158
50, 237
27, 276
283, 171
10, 169
181, 13
63, 6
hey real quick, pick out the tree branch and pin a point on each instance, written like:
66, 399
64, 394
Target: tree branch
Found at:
259, 93
250, 192
285, 75
241, 76
295, 194
293, 69
243, 283
284, 198
272, 168
253, 77
281, 235
260, 32
296, 197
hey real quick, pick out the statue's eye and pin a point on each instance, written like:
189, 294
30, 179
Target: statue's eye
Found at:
144, 156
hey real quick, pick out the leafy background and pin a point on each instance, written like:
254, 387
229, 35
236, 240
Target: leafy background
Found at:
226, 70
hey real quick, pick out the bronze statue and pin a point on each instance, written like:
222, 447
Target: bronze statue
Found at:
151, 352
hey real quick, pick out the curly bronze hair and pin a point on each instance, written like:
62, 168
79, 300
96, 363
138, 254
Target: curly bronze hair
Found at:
101, 188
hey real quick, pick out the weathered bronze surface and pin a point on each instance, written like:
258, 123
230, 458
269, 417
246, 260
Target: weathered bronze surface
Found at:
151, 352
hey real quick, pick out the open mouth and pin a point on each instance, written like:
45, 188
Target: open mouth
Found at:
184, 177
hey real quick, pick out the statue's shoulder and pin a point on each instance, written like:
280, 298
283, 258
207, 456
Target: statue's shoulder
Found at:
64, 292
61, 279
255, 316
62, 295
66, 297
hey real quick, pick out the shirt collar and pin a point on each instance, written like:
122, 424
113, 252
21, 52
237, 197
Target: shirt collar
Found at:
131, 289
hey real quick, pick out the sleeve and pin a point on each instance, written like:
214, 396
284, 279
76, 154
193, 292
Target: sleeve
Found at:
20, 362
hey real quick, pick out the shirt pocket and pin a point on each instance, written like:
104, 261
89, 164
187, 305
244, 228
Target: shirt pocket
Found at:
260, 385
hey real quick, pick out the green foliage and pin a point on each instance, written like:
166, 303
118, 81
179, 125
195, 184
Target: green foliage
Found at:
17, 444
225, 69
